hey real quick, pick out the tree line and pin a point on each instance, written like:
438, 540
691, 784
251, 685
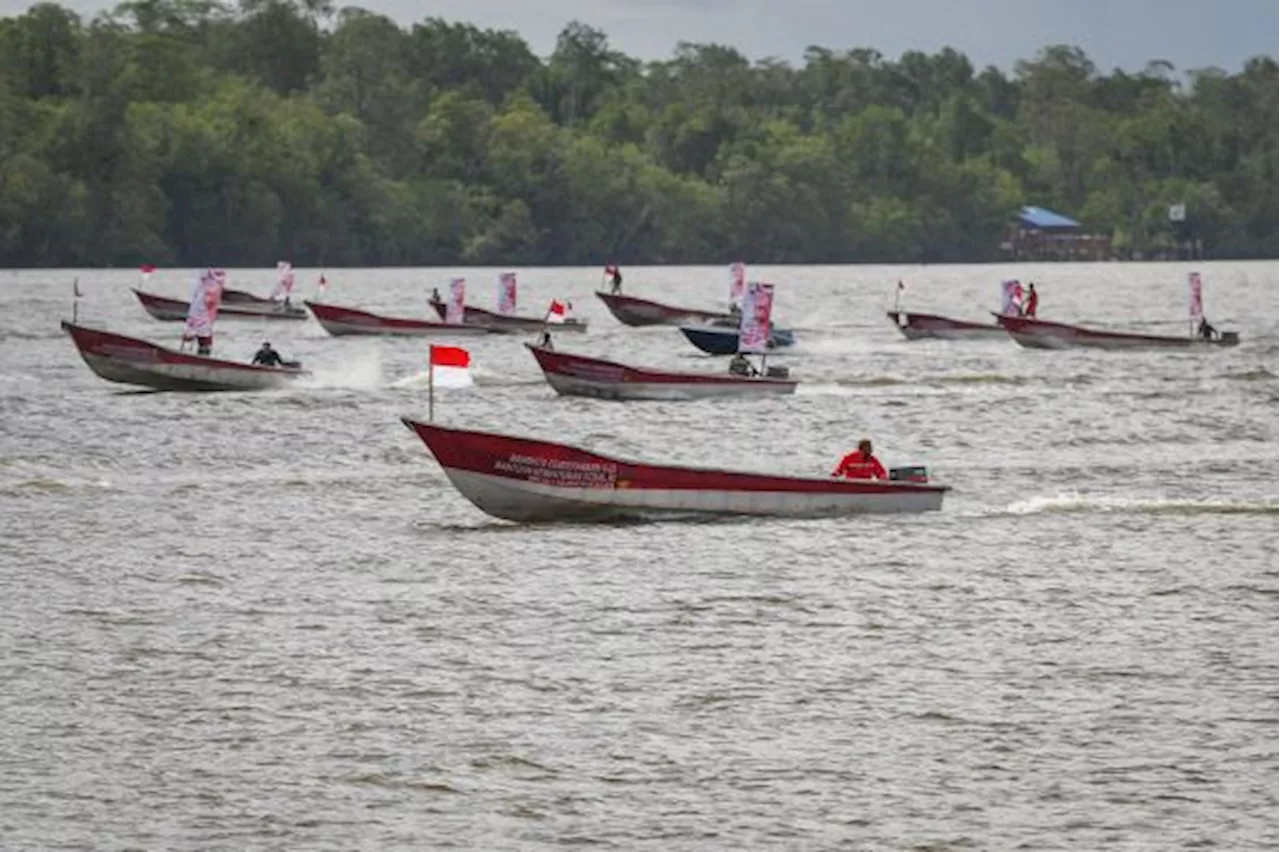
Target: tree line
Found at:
191, 132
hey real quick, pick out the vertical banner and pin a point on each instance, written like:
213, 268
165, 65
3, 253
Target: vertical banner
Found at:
507, 293
1011, 298
284, 281
454, 311
737, 281
1197, 302
757, 306
206, 298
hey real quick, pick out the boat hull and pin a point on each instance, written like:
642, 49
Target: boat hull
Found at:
519, 479
629, 310
509, 323
130, 361
345, 322
240, 306
576, 375
715, 340
1040, 334
925, 326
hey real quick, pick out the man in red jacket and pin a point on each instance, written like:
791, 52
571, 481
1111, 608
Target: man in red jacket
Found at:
1033, 301
860, 464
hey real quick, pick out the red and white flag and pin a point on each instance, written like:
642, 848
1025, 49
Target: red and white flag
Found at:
507, 293
1197, 300
449, 366
284, 281
558, 311
206, 298
757, 308
146, 269
737, 282
455, 309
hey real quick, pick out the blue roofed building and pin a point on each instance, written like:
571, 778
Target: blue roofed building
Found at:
1037, 233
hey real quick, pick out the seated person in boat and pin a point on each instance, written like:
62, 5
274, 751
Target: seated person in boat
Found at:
545, 342
204, 345
860, 464
1207, 331
268, 357
740, 365
435, 296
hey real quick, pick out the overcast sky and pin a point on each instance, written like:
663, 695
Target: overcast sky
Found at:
1114, 33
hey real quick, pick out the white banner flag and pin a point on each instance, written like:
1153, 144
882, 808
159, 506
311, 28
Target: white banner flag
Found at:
1011, 298
455, 311
737, 281
284, 281
206, 298
757, 306
507, 293
1197, 302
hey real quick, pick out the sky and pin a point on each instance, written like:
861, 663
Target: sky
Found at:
1114, 33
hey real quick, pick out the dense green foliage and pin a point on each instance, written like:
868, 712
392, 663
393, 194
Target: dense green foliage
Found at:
187, 132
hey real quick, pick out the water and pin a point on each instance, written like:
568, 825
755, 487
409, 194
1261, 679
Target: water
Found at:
250, 621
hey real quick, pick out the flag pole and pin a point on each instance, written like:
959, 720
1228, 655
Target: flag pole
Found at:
431, 383
75, 301
897, 293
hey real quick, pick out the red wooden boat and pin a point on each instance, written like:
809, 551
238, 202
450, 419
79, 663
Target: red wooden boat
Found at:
495, 321
235, 303
578, 375
1041, 334
131, 361
340, 322
521, 479
632, 311
919, 326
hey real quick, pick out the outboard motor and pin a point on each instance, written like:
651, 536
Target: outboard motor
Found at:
778, 372
916, 473
1229, 338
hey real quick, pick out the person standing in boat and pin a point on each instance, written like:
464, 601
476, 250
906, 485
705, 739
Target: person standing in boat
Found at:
1206, 331
545, 342
615, 278
1033, 300
860, 464
267, 356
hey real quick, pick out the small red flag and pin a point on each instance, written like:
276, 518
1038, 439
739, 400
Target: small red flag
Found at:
450, 356
146, 269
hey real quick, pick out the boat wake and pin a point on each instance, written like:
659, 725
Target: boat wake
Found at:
443, 379
46, 485
1082, 503
361, 372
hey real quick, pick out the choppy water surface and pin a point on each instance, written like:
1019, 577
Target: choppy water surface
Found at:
243, 621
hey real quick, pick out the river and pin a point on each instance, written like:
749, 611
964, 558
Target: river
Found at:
267, 621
